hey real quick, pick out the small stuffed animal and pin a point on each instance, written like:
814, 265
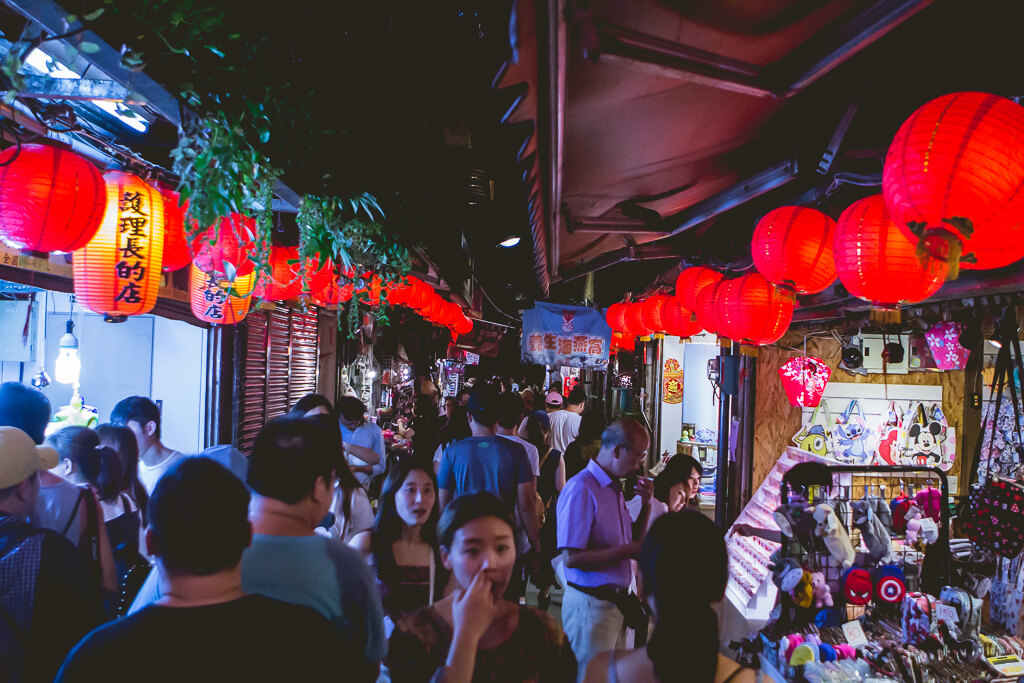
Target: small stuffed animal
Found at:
920, 527
836, 539
786, 572
857, 586
803, 594
873, 531
821, 590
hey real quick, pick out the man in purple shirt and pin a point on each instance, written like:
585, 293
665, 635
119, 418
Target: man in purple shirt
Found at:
596, 538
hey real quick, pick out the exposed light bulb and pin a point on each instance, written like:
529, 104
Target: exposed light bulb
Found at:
510, 242
69, 366
996, 343
371, 373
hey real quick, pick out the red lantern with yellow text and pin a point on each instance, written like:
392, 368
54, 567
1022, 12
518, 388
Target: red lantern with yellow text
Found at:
792, 247
215, 301
691, 282
118, 272
754, 311
877, 262
953, 179
176, 252
228, 247
50, 199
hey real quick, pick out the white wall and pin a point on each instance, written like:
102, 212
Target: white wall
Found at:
179, 372
699, 404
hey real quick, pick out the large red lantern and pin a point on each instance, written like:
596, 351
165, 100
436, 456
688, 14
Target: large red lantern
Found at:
284, 282
177, 255
50, 199
690, 283
333, 293
398, 293
650, 311
877, 262
754, 311
616, 316
213, 300
118, 272
420, 294
792, 247
707, 307
951, 173
679, 322
635, 325
231, 245
464, 325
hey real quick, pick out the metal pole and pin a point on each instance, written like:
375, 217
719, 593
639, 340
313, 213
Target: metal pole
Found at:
722, 474
657, 346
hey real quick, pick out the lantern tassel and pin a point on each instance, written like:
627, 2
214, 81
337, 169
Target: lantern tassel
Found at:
886, 316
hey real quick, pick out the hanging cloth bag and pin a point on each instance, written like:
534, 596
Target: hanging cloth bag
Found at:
816, 435
890, 447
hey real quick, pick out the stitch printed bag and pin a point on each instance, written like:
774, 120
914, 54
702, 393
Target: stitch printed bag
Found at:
852, 441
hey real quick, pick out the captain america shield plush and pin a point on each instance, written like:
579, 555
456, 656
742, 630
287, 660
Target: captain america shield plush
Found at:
890, 585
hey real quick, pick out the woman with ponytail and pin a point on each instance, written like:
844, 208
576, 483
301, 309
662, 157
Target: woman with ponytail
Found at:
684, 645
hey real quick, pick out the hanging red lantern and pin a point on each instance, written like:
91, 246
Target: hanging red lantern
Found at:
635, 326
177, 255
690, 283
398, 293
464, 325
420, 293
754, 311
333, 293
707, 307
622, 341
118, 272
679, 322
371, 289
50, 199
616, 316
284, 282
650, 311
232, 241
877, 262
792, 247
213, 301
950, 175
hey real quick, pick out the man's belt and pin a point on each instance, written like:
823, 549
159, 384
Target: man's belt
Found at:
634, 611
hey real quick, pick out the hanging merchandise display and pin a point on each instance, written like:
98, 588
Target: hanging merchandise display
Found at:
927, 437
51, 199
691, 282
804, 379
751, 310
229, 247
792, 247
220, 302
816, 435
177, 254
852, 440
118, 272
952, 180
876, 262
944, 341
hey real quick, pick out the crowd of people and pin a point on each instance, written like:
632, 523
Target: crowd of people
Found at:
121, 556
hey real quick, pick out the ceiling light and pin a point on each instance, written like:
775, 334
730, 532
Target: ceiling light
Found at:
123, 114
69, 366
510, 242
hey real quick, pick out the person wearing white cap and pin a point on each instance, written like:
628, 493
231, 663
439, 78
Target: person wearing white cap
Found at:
49, 600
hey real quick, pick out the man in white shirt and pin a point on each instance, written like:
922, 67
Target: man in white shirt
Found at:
364, 441
565, 424
510, 413
142, 416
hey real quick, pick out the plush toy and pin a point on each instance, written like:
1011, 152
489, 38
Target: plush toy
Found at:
786, 572
821, 590
875, 535
921, 530
857, 587
803, 594
836, 539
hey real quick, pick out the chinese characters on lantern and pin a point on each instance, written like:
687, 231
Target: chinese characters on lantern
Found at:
132, 243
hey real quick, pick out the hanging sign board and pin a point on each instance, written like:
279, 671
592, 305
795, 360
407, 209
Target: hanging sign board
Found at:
571, 336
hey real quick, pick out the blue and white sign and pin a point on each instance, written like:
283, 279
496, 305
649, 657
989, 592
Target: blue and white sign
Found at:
571, 336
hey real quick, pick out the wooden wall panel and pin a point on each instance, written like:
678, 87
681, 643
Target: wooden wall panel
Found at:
776, 420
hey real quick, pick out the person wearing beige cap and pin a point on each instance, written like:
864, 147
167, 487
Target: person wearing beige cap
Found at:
49, 598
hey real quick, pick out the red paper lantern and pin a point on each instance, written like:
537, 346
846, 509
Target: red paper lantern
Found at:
232, 241
635, 326
752, 310
623, 341
118, 272
707, 307
792, 247
50, 199
877, 262
285, 282
398, 293
952, 171
679, 322
211, 300
371, 289
650, 311
616, 316
177, 255
420, 294
333, 293
690, 283
464, 325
